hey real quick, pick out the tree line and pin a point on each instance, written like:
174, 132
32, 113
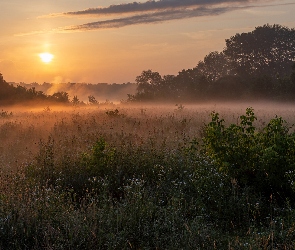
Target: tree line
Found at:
66, 93
10, 94
258, 64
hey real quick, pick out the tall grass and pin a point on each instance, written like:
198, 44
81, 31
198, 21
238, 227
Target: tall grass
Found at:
139, 179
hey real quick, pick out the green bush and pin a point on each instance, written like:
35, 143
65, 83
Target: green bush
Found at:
259, 159
220, 194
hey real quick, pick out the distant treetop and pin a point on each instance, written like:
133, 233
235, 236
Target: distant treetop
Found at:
267, 50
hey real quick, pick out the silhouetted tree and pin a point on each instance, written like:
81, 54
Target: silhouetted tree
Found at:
10, 94
5, 89
92, 99
229, 87
168, 87
75, 100
148, 84
215, 65
293, 74
268, 50
61, 96
191, 84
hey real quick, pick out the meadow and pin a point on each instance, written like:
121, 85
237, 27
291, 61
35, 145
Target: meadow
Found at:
148, 177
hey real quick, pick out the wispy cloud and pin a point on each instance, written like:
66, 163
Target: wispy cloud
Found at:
149, 6
153, 12
149, 18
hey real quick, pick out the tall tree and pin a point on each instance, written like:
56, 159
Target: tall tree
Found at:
267, 50
293, 74
75, 100
148, 83
92, 99
61, 96
214, 66
6, 90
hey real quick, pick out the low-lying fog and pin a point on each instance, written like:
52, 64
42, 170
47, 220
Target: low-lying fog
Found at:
23, 130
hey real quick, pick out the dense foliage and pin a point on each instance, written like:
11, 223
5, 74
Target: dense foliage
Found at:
20, 94
262, 160
268, 50
224, 191
100, 91
256, 64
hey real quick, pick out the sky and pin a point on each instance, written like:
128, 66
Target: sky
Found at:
95, 41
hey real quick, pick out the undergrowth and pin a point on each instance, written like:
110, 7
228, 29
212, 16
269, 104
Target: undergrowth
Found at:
232, 189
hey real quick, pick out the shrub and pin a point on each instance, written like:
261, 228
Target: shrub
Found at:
257, 159
119, 193
113, 113
5, 114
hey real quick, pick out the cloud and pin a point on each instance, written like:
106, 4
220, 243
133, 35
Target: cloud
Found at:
149, 18
149, 6
154, 12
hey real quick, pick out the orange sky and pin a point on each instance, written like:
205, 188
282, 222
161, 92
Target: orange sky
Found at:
117, 40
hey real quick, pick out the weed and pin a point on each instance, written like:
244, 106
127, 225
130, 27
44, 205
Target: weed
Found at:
5, 114
113, 112
180, 107
147, 182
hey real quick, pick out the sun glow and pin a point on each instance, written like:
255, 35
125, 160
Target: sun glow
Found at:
46, 57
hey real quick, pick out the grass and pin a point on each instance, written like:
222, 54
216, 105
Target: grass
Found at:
88, 179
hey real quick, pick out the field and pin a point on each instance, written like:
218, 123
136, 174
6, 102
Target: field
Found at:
147, 177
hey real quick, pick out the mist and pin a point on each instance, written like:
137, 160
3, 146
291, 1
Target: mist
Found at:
101, 91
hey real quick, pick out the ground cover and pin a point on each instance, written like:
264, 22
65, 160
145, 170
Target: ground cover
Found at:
148, 177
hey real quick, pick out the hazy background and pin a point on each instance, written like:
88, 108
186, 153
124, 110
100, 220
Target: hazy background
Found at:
114, 44
102, 92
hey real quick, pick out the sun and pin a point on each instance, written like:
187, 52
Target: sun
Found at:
46, 57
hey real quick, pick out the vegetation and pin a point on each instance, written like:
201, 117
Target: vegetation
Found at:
15, 95
253, 65
5, 114
148, 180
256, 159
105, 176
86, 92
